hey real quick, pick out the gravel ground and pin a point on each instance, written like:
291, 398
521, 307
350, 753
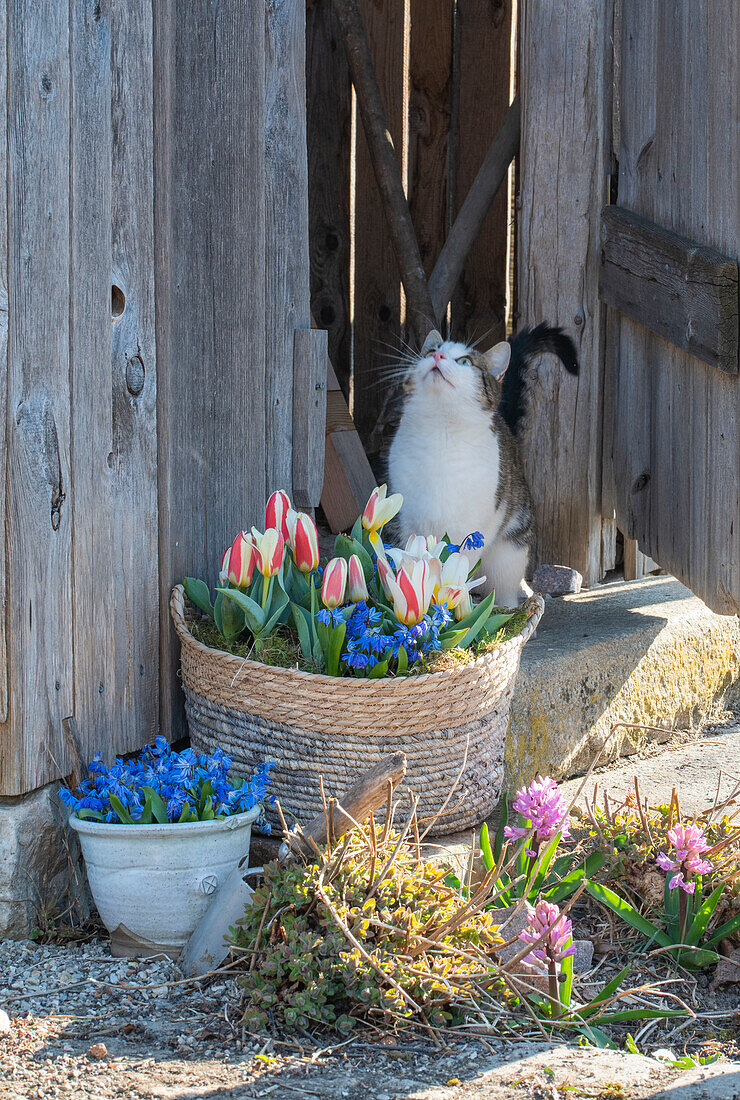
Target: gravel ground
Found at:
90, 1027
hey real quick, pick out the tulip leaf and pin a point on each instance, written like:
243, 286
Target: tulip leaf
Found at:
232, 619
335, 648
403, 661
356, 531
198, 594
279, 605
217, 609
254, 614
345, 546
450, 639
475, 622
494, 622
301, 620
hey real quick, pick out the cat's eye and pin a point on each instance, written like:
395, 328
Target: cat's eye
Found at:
465, 361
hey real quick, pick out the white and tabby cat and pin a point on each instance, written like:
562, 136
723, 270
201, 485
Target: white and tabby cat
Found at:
454, 455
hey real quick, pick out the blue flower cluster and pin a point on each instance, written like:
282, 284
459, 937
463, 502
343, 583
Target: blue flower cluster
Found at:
473, 541
159, 785
367, 644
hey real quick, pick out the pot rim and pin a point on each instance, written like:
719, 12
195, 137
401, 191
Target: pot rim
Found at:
171, 829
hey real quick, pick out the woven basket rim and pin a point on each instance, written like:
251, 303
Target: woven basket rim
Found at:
534, 606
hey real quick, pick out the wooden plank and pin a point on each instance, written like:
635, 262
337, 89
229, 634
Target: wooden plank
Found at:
678, 288
676, 424
39, 542
309, 415
287, 295
636, 564
563, 179
429, 160
348, 476
376, 289
95, 619
135, 587
211, 397
329, 97
483, 66
3, 362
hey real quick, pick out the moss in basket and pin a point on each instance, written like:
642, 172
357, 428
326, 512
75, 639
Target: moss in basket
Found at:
328, 943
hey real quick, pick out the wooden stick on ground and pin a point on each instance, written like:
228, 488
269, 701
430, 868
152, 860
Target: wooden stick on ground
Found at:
366, 796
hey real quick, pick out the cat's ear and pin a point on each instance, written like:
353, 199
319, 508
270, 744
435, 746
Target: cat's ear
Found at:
497, 359
432, 342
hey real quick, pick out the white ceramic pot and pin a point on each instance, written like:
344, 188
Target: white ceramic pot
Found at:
153, 883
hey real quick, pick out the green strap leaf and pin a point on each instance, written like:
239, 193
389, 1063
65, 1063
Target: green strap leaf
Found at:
485, 846
450, 639
402, 661
301, 620
624, 910
120, 810
254, 614
198, 594
478, 620
639, 1014
703, 915
565, 988
608, 991
568, 883
377, 672
723, 931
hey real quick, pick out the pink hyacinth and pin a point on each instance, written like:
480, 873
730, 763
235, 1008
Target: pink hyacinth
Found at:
546, 919
689, 844
544, 806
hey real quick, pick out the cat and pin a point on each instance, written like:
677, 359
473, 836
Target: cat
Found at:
455, 458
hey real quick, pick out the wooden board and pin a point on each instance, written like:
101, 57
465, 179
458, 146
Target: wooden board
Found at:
482, 69
134, 711
329, 97
563, 183
211, 308
39, 515
677, 287
676, 435
376, 289
92, 473
286, 263
310, 360
348, 477
430, 106
4, 499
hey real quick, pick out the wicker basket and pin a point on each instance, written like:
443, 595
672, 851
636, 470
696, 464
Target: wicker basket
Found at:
451, 725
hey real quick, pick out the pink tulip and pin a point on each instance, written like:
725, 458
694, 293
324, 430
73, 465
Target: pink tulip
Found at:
411, 591
276, 512
385, 573
304, 541
269, 551
240, 560
334, 584
356, 584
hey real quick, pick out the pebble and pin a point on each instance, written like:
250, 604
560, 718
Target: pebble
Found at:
99, 1051
4, 1022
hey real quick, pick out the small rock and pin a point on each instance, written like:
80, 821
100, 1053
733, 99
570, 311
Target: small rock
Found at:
556, 580
98, 1051
4, 1022
583, 957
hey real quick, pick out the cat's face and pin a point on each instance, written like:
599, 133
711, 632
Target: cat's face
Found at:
451, 373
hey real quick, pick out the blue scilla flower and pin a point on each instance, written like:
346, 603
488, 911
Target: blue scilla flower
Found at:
330, 618
474, 541
374, 616
358, 661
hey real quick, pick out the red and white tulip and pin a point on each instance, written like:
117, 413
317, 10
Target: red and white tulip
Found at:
454, 588
411, 591
239, 561
379, 509
276, 512
269, 551
303, 538
356, 583
334, 585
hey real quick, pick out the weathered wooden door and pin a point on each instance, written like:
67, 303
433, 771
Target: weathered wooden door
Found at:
672, 357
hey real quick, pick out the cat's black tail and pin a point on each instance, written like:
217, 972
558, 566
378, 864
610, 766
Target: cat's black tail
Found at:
524, 346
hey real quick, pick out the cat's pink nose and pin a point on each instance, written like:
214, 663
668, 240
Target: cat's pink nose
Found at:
437, 355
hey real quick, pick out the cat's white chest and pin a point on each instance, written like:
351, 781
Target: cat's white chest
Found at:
448, 471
